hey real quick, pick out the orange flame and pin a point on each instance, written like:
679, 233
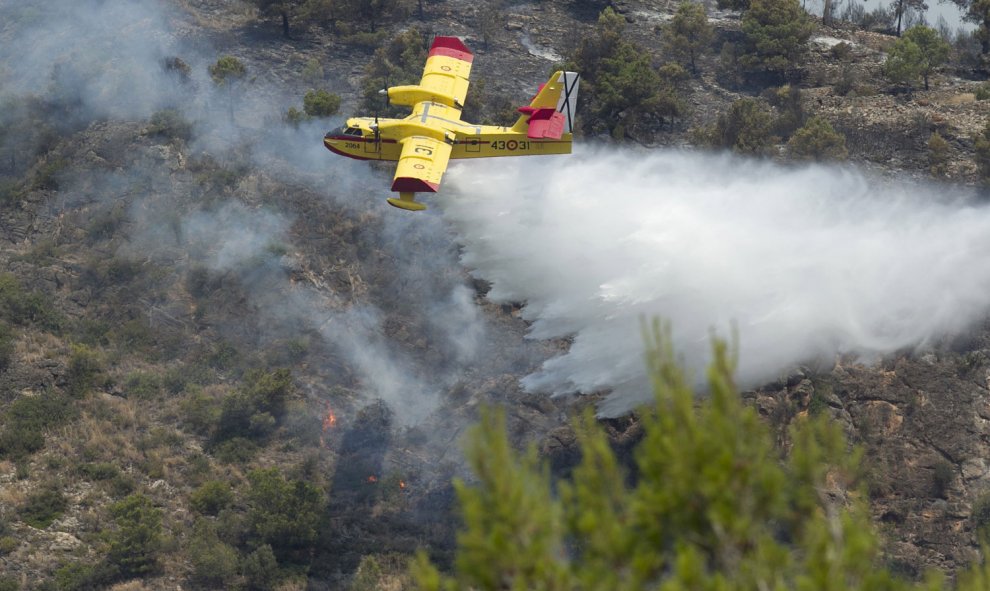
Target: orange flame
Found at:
329, 421
372, 479
402, 484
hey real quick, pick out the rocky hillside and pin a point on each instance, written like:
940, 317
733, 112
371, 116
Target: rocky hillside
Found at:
223, 362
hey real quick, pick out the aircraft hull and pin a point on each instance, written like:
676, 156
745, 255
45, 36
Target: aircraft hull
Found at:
488, 142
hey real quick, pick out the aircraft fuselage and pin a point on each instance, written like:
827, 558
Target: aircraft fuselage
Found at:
358, 138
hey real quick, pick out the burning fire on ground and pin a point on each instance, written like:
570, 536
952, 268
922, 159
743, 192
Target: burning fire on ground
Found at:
329, 422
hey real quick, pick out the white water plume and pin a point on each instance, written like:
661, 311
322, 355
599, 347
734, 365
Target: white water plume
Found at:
806, 262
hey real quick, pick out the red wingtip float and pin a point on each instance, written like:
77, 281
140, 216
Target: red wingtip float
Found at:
424, 142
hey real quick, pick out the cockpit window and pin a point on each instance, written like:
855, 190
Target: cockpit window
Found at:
351, 131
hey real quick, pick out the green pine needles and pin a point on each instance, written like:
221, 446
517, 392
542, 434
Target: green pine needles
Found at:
713, 503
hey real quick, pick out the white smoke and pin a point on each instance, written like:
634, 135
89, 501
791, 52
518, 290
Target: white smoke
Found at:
104, 56
807, 262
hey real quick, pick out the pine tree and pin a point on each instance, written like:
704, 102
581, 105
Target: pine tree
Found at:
620, 88
934, 50
137, 541
283, 513
688, 34
712, 506
777, 33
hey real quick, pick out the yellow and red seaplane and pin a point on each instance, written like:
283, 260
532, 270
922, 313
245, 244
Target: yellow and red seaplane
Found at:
427, 139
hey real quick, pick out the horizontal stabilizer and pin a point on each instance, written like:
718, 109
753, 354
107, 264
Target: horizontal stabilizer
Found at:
557, 94
545, 123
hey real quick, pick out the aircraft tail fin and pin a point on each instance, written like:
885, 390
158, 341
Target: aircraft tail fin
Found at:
551, 112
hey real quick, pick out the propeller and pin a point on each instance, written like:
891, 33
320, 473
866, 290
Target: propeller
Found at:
383, 91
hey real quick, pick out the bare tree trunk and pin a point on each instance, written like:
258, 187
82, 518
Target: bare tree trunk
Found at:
285, 24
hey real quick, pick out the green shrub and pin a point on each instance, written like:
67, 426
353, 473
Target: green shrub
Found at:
103, 226
8, 544
942, 477
143, 386
77, 576
43, 507
981, 513
21, 307
260, 568
983, 91
7, 338
841, 51
788, 102
214, 562
377, 571
364, 39
85, 371
222, 355
9, 583
313, 71
175, 380
320, 103
939, 155
99, 471
237, 450
282, 513
26, 420
817, 140
294, 116
10, 192
135, 544
227, 70
122, 485
171, 124
744, 128
255, 408
47, 176
200, 412
211, 497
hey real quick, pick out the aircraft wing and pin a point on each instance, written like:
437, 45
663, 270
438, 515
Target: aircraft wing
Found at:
448, 69
421, 164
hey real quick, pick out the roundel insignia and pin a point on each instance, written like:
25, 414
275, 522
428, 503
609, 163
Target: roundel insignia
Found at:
512, 144
418, 166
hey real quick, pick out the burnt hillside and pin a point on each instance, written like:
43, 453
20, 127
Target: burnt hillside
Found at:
224, 361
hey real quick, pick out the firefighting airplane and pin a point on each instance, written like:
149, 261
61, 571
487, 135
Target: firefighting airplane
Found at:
427, 139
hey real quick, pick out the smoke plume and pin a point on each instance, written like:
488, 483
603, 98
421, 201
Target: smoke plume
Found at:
806, 262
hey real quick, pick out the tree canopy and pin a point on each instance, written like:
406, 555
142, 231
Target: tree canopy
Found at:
688, 34
712, 504
777, 33
620, 89
934, 49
